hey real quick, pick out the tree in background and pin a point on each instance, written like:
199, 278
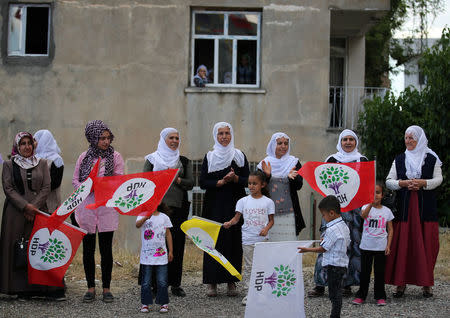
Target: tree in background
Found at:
383, 122
380, 43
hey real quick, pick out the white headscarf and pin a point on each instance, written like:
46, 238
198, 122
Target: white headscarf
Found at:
164, 157
343, 156
221, 157
280, 167
47, 148
415, 158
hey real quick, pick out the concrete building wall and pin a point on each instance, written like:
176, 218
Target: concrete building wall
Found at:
128, 63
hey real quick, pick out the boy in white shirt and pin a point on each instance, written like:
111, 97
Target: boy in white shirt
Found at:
335, 240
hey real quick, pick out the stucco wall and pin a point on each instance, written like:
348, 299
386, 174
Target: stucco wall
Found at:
128, 63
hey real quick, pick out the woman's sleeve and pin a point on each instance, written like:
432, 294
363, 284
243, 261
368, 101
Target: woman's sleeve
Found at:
436, 180
39, 200
119, 164
244, 172
297, 182
206, 181
187, 182
10, 190
76, 173
56, 175
148, 166
391, 179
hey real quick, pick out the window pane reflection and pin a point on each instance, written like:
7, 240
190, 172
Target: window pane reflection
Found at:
208, 23
225, 61
246, 56
242, 24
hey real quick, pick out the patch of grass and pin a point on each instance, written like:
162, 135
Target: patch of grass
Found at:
442, 270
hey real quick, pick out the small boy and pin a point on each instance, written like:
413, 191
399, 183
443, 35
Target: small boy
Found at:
335, 241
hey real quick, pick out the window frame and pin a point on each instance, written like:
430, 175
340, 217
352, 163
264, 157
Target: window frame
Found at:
225, 36
24, 29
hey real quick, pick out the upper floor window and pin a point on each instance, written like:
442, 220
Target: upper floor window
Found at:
227, 45
28, 29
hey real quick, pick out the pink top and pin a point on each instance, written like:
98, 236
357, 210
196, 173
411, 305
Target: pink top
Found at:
102, 219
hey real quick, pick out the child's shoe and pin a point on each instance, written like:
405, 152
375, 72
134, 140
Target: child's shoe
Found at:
358, 301
144, 308
381, 302
164, 309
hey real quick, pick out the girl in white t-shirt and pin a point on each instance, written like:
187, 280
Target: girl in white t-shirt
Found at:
258, 211
155, 231
375, 245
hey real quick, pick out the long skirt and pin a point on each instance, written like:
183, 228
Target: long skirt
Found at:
414, 249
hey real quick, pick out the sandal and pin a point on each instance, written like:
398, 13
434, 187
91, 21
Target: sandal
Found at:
399, 292
144, 308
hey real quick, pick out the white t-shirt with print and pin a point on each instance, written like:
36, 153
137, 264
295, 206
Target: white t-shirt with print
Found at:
374, 235
153, 239
256, 216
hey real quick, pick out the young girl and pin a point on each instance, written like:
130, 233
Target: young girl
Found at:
155, 230
375, 245
258, 211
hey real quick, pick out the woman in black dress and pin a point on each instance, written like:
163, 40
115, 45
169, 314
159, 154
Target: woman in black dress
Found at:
224, 176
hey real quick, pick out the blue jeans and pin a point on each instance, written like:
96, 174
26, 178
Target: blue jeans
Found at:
162, 295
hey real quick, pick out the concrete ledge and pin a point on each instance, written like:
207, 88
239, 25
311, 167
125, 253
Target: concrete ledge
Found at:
224, 90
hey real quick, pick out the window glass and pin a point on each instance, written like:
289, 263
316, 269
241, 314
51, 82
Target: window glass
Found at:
242, 24
226, 61
36, 40
246, 66
15, 29
209, 23
204, 55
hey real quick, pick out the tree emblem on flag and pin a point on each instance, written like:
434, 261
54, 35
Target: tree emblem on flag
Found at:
131, 200
54, 251
75, 194
282, 280
333, 178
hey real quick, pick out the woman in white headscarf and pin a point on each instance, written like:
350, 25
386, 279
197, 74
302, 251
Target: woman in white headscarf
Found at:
47, 148
415, 174
167, 156
201, 78
224, 176
281, 169
347, 151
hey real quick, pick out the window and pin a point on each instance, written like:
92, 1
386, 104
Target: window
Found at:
338, 53
228, 44
28, 30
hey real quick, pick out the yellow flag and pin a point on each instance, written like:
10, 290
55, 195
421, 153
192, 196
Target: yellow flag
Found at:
204, 233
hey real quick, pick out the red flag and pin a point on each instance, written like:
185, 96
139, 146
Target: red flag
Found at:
133, 194
51, 252
74, 200
352, 183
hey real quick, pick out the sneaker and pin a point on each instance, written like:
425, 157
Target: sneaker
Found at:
164, 308
358, 301
381, 302
108, 297
88, 297
144, 308
244, 301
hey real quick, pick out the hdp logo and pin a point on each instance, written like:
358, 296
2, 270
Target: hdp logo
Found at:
281, 281
53, 251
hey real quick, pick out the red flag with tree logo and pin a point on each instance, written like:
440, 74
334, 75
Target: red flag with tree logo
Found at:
133, 194
352, 183
50, 251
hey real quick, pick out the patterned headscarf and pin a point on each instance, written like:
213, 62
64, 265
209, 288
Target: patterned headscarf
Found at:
94, 129
28, 162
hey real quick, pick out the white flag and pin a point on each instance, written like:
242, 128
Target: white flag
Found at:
276, 283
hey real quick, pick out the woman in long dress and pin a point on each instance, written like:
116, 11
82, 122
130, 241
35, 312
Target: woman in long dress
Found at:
281, 169
415, 174
26, 183
224, 176
347, 147
167, 156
